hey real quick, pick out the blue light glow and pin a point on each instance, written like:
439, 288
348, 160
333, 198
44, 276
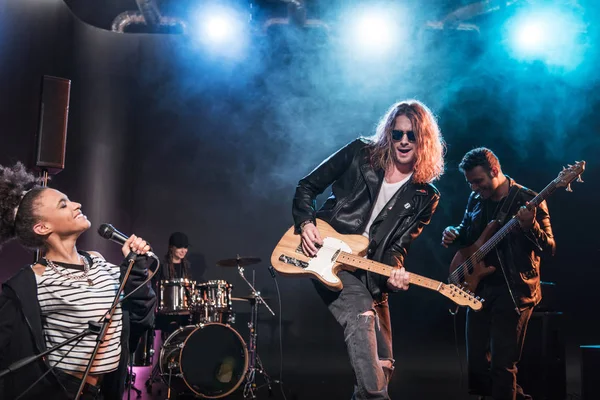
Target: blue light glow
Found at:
555, 36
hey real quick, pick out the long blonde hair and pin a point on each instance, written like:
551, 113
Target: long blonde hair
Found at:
431, 147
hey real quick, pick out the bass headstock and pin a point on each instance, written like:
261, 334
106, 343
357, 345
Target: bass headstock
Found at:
568, 175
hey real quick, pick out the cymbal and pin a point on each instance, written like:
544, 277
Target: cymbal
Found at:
248, 298
239, 261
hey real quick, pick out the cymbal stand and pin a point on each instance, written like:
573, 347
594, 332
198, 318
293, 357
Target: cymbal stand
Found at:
130, 381
254, 363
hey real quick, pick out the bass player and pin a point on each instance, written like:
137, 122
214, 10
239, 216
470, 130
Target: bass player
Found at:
512, 285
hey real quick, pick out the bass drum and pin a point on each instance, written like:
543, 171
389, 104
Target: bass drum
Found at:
210, 360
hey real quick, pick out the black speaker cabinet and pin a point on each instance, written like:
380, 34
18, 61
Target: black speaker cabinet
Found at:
542, 369
52, 128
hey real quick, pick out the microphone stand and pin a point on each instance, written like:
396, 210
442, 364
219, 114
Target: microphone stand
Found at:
254, 363
105, 323
93, 327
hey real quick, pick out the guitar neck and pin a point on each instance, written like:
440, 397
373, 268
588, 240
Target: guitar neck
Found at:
513, 223
386, 270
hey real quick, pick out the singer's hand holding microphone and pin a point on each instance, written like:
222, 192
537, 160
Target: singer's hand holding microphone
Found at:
132, 244
135, 244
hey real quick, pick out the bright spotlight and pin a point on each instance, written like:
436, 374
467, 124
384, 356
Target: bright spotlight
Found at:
372, 30
219, 28
532, 36
549, 35
223, 29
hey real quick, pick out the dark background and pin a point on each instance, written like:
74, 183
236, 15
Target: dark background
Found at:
163, 137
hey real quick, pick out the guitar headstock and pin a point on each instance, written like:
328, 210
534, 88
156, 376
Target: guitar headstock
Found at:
568, 175
461, 297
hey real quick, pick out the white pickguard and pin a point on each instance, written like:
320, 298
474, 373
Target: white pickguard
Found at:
323, 263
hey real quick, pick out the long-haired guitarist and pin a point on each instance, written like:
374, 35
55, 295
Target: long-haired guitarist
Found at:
381, 189
511, 285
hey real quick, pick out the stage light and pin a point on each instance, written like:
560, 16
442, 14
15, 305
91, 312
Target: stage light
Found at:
223, 28
551, 35
373, 30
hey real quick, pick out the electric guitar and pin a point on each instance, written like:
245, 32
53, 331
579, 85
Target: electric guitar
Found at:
466, 269
346, 252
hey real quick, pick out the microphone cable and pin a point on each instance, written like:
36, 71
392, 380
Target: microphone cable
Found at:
274, 275
455, 326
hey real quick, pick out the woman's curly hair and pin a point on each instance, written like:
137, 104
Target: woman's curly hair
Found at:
19, 191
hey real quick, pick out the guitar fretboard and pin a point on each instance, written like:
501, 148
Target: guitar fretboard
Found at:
386, 270
512, 224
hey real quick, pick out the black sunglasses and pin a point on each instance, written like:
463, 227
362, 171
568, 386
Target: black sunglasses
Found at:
398, 135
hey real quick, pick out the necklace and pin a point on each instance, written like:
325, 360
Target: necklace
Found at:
68, 275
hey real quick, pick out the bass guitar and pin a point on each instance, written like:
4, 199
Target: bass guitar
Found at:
467, 268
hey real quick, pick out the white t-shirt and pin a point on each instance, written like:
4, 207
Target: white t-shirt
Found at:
387, 191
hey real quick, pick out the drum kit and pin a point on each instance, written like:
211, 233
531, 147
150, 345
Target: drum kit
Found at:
202, 355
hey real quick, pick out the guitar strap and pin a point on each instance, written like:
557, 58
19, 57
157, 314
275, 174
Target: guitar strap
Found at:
507, 205
501, 217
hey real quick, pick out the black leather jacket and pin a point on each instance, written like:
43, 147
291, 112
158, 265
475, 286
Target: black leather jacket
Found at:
21, 335
355, 186
519, 252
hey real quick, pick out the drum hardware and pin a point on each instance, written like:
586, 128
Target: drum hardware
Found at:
143, 353
254, 362
130, 380
238, 261
154, 377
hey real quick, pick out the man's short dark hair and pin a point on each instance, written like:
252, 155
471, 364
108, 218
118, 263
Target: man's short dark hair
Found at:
479, 157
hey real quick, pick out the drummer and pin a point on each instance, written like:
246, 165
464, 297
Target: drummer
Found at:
175, 264
175, 267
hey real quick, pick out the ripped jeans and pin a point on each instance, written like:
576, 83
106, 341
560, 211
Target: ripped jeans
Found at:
368, 338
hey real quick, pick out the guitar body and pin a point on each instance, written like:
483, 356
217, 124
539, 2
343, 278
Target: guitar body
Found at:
320, 267
347, 252
471, 275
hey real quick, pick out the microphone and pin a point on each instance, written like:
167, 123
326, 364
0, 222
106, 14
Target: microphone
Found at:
107, 231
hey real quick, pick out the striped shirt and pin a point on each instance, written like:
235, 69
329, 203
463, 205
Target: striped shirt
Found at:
67, 305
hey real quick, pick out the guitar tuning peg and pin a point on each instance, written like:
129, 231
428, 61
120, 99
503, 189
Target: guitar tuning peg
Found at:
478, 298
482, 300
570, 166
563, 168
568, 188
579, 179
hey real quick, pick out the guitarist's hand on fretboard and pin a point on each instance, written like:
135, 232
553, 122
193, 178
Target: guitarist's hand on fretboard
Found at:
398, 279
526, 217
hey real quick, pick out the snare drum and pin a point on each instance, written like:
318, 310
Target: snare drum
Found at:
212, 302
210, 360
175, 296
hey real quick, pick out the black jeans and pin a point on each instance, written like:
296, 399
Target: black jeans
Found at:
368, 338
71, 384
495, 337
